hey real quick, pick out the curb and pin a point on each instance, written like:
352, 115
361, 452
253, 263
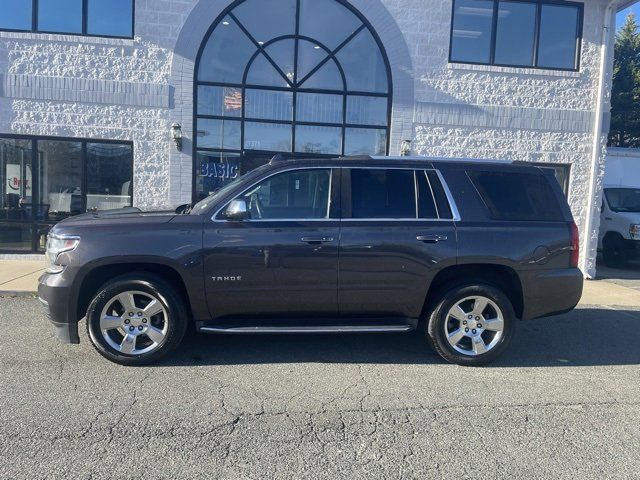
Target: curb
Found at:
14, 294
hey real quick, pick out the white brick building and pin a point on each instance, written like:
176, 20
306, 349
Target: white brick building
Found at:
133, 89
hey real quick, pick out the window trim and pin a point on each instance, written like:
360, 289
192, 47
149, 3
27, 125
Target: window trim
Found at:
494, 27
84, 33
336, 200
452, 204
35, 179
333, 187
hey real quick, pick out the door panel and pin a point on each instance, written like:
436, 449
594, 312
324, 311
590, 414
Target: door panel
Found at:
265, 269
393, 241
274, 265
384, 270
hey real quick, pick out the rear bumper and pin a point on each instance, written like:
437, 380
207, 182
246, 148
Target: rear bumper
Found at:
55, 296
551, 292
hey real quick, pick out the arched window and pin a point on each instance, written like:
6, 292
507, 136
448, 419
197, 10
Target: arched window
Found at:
308, 77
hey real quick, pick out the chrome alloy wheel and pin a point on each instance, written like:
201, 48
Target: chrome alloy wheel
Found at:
474, 325
134, 323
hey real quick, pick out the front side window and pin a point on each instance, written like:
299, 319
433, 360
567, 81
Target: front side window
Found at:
296, 195
534, 33
106, 18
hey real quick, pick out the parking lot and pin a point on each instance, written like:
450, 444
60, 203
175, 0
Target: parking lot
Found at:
562, 403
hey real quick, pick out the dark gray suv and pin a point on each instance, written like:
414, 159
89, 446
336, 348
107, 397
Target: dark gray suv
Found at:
457, 250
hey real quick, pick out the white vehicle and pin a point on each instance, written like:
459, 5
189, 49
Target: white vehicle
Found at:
620, 225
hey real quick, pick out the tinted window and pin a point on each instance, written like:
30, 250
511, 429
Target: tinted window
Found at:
517, 196
471, 34
426, 201
301, 194
112, 18
515, 26
379, 193
109, 171
558, 27
60, 16
16, 15
515, 33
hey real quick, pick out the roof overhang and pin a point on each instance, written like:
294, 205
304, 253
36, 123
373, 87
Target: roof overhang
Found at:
624, 4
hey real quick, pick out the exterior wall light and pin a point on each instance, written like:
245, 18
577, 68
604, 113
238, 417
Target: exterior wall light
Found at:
405, 148
176, 134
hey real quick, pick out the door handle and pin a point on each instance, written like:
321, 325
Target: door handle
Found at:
315, 240
431, 238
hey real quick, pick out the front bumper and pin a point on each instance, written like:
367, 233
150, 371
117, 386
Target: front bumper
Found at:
632, 248
551, 292
56, 298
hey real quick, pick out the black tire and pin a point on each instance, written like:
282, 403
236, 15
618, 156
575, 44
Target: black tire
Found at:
438, 318
156, 287
613, 252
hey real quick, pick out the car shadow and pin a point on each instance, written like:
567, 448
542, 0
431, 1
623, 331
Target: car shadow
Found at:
584, 337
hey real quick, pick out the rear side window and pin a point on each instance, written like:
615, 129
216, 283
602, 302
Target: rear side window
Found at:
444, 209
517, 196
380, 193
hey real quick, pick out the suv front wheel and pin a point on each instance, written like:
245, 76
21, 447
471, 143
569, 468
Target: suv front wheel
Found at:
136, 319
471, 325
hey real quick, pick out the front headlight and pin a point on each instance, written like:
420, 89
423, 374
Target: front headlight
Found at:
56, 244
634, 231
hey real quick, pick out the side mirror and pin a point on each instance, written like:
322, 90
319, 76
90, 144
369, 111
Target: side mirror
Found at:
237, 210
183, 208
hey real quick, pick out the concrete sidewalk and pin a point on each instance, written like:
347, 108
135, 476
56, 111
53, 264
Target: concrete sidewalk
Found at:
20, 276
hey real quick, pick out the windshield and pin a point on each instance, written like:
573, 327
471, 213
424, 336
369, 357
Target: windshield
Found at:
623, 199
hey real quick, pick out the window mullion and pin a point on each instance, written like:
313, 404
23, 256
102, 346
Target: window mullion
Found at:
83, 175
536, 40
85, 12
34, 15
294, 114
494, 32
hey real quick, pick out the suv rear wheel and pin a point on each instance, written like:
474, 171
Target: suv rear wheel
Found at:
471, 324
136, 319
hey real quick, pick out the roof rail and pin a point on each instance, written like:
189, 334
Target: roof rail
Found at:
278, 157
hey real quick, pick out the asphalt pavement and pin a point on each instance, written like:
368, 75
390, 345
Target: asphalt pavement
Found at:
561, 404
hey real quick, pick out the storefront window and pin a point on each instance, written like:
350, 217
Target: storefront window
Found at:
43, 181
298, 77
105, 18
60, 178
109, 175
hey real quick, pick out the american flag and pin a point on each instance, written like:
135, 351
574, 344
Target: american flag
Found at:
233, 100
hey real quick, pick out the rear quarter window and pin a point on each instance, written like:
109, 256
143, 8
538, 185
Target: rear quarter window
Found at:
517, 196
